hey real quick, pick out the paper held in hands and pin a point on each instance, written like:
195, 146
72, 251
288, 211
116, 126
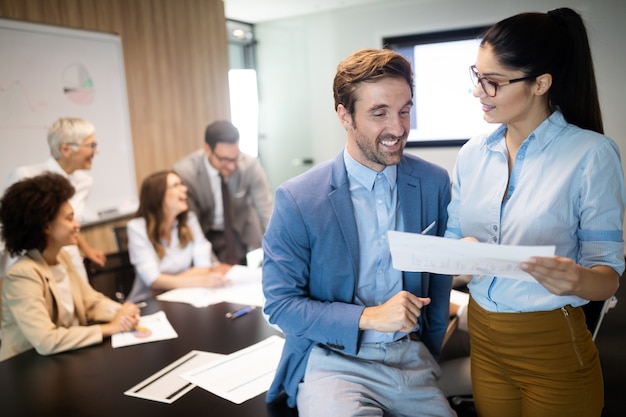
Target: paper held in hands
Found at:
420, 253
151, 328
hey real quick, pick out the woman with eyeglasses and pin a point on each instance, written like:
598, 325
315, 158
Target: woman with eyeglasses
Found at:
46, 305
73, 147
165, 242
546, 176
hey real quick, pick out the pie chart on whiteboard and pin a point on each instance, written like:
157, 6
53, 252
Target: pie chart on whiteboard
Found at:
78, 85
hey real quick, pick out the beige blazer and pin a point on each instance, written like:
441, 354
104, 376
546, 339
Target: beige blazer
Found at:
30, 309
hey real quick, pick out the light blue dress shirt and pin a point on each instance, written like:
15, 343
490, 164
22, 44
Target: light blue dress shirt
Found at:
375, 200
566, 188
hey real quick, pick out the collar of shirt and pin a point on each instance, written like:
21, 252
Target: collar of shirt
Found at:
213, 173
366, 176
545, 133
53, 165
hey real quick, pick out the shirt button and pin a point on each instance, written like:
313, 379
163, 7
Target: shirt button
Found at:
495, 228
495, 239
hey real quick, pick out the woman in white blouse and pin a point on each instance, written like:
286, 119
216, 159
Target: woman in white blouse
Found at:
165, 242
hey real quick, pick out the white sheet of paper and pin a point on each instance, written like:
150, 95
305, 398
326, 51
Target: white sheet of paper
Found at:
422, 253
241, 375
196, 296
254, 258
245, 288
167, 386
241, 274
154, 327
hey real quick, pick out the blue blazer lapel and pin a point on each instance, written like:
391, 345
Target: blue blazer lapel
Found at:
410, 199
410, 196
341, 203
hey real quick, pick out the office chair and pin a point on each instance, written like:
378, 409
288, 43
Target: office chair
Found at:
121, 237
595, 312
115, 279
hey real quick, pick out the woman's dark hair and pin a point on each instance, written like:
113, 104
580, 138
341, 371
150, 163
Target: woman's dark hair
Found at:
556, 43
28, 206
151, 197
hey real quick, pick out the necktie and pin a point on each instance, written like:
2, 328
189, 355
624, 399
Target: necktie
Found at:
230, 254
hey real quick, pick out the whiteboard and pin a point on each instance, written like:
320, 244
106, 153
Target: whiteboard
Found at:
47, 72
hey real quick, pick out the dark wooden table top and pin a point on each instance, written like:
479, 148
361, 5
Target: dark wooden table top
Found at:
91, 381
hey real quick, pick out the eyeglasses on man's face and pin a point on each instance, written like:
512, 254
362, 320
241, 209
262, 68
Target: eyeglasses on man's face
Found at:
490, 87
225, 160
92, 146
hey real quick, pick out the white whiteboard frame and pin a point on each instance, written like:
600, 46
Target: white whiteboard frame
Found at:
34, 59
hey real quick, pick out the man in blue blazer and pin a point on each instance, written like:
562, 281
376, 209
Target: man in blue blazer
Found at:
360, 336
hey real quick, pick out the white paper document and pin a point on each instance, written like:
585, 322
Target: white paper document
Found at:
422, 253
167, 386
151, 328
244, 288
241, 375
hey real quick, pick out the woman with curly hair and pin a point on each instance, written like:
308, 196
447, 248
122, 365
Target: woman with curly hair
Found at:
46, 305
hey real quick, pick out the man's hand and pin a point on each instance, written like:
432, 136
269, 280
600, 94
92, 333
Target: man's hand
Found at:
398, 314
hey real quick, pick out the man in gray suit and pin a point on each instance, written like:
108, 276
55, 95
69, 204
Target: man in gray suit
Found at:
250, 197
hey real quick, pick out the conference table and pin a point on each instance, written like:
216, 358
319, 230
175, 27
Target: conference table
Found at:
91, 381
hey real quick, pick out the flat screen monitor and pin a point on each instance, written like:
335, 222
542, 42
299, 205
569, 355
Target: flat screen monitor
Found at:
445, 113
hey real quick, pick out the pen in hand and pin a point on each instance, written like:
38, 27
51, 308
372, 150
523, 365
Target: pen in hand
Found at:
239, 313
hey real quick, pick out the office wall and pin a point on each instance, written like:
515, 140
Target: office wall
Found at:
320, 41
176, 59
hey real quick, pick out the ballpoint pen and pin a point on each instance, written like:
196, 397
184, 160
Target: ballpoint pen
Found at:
239, 313
430, 226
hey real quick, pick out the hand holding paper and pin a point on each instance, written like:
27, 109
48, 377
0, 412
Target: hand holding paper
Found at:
151, 328
421, 253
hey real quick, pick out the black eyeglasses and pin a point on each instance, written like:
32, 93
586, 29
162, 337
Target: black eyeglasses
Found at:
93, 146
225, 160
490, 87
